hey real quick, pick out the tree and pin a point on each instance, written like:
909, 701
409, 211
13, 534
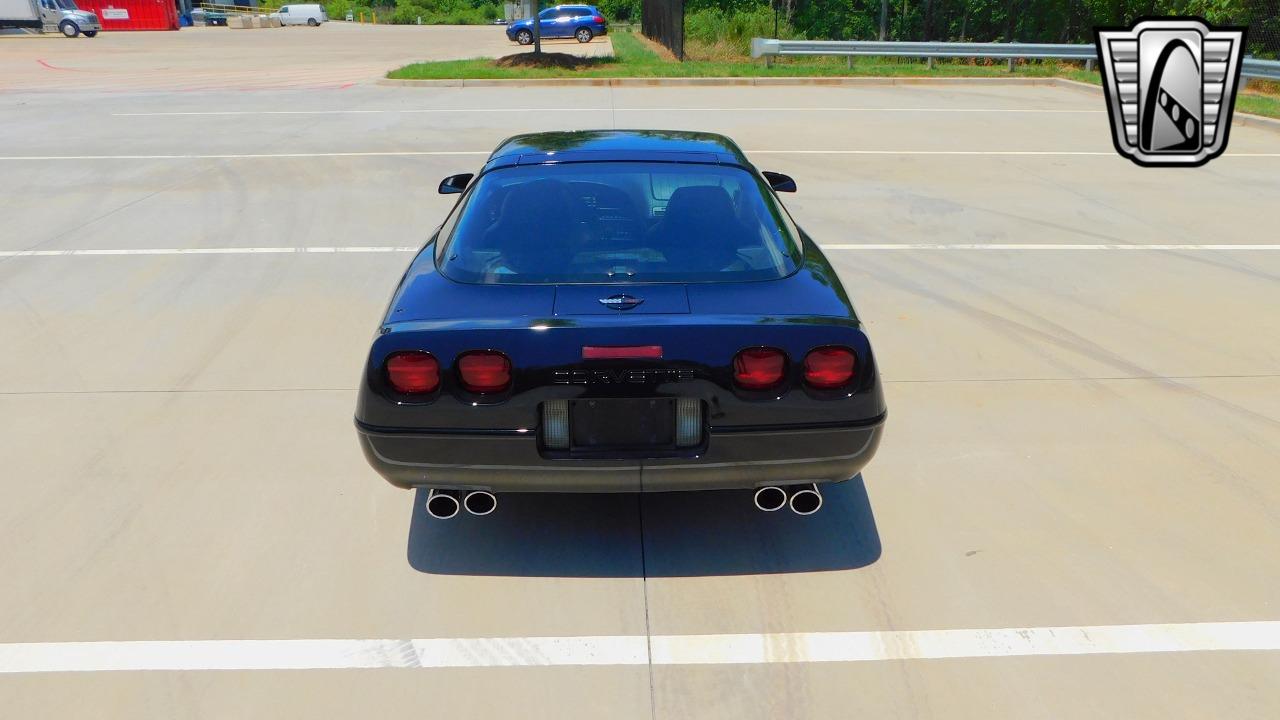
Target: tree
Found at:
537, 26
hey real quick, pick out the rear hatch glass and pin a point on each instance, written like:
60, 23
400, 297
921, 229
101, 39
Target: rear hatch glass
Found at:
618, 222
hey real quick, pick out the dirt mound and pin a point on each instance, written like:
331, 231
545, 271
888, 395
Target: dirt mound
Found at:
546, 60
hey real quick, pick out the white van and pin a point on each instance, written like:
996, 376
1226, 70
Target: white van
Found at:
310, 14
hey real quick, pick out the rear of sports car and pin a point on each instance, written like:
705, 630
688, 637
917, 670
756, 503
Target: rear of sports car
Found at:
619, 327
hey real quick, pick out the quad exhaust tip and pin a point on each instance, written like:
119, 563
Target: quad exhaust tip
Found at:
480, 502
805, 499
442, 504
770, 498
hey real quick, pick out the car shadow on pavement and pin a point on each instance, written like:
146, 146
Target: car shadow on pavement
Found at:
684, 534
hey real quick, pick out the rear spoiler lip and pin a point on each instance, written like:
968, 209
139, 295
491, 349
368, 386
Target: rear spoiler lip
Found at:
585, 156
581, 322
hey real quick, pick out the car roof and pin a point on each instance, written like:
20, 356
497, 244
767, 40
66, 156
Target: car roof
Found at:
617, 145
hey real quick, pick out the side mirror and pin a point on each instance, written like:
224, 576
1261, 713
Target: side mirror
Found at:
455, 183
779, 182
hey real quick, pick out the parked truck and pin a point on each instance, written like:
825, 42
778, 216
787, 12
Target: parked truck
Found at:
49, 16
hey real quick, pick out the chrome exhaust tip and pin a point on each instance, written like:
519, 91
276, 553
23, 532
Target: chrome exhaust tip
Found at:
770, 498
442, 504
480, 502
805, 499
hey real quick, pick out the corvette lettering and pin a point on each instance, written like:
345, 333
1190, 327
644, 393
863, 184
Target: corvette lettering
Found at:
618, 377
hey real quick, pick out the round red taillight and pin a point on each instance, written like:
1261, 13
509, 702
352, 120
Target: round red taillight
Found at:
598, 18
759, 368
827, 368
413, 372
485, 371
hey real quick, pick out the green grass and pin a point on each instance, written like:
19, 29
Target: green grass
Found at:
1254, 102
634, 58
1268, 105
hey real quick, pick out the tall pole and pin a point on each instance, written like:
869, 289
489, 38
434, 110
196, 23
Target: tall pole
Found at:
884, 18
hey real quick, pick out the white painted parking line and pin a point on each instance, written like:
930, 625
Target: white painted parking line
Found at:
321, 654
206, 251
990, 153
868, 247
943, 644
1041, 246
418, 111
429, 153
249, 156
627, 650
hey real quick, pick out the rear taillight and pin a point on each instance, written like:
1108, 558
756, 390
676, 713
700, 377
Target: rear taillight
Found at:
485, 371
413, 371
759, 368
827, 368
598, 18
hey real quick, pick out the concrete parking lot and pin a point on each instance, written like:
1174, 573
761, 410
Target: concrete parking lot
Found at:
1074, 509
334, 56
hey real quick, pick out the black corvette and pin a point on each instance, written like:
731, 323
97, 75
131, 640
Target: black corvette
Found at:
619, 311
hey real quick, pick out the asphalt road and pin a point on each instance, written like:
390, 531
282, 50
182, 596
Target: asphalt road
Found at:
1078, 437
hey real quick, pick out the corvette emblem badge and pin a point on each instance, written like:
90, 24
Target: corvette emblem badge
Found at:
621, 302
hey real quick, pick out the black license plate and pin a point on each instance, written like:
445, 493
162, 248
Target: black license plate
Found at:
623, 423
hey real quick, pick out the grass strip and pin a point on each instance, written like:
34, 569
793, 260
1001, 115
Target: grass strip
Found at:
634, 58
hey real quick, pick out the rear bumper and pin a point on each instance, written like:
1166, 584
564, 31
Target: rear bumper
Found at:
512, 462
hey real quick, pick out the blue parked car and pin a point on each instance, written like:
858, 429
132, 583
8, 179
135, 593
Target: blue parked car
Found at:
583, 22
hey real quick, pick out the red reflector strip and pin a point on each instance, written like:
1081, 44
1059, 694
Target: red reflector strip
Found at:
598, 352
595, 352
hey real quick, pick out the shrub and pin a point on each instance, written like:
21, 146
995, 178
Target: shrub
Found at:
620, 11
432, 12
713, 27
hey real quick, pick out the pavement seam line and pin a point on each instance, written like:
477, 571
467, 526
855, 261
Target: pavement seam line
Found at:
614, 110
644, 588
857, 247
446, 153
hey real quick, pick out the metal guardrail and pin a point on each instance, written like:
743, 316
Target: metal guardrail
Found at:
762, 47
1261, 69
766, 48
227, 9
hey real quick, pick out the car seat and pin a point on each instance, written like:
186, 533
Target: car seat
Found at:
537, 232
700, 231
